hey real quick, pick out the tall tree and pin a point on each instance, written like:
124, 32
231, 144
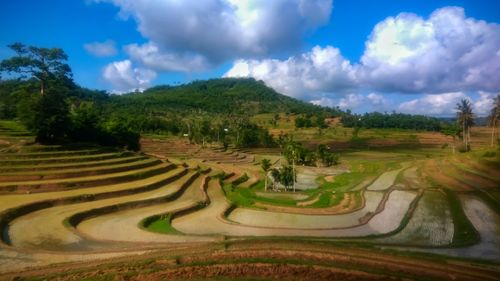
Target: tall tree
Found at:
494, 116
465, 117
285, 176
40, 63
452, 131
265, 164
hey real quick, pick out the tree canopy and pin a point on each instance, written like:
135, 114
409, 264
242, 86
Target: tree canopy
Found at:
39, 63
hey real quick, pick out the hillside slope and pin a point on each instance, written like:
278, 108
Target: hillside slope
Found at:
226, 95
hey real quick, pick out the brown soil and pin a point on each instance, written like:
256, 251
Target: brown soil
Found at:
268, 260
433, 169
309, 202
330, 178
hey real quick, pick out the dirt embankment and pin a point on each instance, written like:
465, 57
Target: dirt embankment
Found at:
269, 260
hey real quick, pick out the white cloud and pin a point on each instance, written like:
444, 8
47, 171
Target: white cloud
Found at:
447, 52
217, 30
101, 49
483, 105
304, 76
124, 77
324, 101
379, 101
149, 55
439, 104
357, 102
351, 101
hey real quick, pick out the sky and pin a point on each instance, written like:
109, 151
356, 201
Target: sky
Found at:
418, 57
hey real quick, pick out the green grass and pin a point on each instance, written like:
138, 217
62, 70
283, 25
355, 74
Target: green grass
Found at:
162, 225
239, 196
361, 170
325, 200
465, 233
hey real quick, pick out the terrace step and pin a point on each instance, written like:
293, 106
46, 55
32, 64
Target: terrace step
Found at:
64, 159
63, 153
89, 181
70, 165
48, 222
78, 172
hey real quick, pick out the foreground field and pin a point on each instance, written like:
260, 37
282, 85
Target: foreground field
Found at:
180, 211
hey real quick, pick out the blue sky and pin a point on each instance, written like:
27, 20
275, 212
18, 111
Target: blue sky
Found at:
408, 56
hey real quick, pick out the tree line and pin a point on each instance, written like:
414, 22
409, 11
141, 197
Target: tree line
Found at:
47, 100
391, 120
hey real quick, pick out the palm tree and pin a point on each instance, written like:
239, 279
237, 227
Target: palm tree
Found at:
465, 118
494, 116
265, 164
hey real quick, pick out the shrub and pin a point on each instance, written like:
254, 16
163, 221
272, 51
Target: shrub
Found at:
115, 133
490, 154
463, 149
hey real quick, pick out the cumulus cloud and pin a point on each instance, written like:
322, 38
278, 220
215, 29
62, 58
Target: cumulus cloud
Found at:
356, 102
445, 53
437, 104
304, 76
150, 55
124, 77
217, 30
482, 106
101, 49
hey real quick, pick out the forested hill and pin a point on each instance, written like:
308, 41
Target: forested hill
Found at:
226, 95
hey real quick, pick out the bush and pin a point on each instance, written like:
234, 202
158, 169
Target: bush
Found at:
463, 149
490, 154
115, 133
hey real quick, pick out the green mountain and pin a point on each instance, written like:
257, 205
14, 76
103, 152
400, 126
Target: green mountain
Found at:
226, 96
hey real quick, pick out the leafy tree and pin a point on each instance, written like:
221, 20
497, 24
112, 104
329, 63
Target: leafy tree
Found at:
116, 133
494, 116
85, 122
327, 157
265, 164
40, 63
465, 117
453, 131
50, 116
285, 175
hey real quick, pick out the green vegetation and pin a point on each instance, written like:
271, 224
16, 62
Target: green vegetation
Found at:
393, 120
216, 118
296, 153
465, 233
161, 224
238, 97
61, 111
465, 117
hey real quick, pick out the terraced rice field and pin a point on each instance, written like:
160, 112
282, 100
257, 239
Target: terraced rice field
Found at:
87, 204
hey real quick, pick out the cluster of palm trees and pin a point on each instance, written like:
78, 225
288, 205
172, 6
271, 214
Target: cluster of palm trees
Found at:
465, 118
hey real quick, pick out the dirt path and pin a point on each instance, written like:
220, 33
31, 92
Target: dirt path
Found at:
264, 260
